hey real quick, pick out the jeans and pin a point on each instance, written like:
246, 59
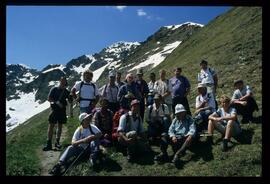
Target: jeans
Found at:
76, 150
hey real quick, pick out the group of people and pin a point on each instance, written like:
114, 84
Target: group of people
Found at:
162, 104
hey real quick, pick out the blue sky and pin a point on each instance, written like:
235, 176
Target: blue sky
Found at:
42, 35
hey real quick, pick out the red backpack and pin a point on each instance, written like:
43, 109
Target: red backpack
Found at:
116, 119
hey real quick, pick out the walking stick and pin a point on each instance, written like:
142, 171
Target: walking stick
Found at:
71, 165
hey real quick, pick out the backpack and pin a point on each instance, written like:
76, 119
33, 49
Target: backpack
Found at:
116, 119
91, 84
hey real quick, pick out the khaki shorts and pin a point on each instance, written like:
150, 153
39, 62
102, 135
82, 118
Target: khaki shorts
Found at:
221, 127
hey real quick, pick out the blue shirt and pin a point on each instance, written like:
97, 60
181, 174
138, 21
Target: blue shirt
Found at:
182, 128
179, 86
125, 102
142, 87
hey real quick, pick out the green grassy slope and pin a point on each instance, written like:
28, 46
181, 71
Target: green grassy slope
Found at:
232, 45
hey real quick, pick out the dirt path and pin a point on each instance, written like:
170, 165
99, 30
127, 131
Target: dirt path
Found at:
49, 158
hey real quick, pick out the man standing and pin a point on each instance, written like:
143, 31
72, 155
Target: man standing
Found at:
128, 92
143, 90
57, 98
180, 90
151, 84
164, 88
118, 82
110, 92
88, 92
208, 76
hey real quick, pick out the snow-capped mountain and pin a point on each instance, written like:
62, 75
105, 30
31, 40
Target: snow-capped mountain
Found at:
122, 56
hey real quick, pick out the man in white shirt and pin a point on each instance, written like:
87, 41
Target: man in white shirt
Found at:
131, 132
205, 105
164, 88
158, 118
243, 101
150, 97
88, 94
208, 76
85, 140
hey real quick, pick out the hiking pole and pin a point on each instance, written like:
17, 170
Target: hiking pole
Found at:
71, 165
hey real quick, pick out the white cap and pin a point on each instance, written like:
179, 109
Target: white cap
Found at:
179, 108
84, 116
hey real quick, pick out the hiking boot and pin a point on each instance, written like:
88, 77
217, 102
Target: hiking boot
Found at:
162, 157
48, 146
56, 170
58, 145
224, 145
209, 140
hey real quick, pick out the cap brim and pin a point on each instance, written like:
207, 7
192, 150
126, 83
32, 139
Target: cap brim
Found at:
179, 111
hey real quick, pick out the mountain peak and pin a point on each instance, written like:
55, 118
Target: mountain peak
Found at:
173, 27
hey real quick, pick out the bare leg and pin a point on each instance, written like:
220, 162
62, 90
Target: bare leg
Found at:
58, 132
50, 131
228, 132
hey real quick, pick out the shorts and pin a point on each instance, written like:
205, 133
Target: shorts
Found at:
221, 127
58, 117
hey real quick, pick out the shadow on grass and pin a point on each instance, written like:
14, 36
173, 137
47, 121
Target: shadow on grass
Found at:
257, 120
245, 137
145, 158
202, 150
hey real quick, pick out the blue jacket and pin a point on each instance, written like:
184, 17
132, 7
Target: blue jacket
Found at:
182, 128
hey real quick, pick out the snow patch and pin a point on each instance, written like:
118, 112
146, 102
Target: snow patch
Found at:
61, 67
24, 108
97, 73
173, 27
157, 58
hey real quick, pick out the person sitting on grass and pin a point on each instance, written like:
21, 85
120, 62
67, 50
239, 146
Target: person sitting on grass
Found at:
132, 135
205, 105
157, 118
243, 101
181, 134
103, 119
225, 121
85, 140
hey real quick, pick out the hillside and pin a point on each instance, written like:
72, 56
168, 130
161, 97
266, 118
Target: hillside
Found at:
232, 43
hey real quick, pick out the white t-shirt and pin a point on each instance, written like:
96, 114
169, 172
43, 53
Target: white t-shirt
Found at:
151, 86
157, 113
206, 77
81, 133
238, 94
209, 98
161, 87
87, 92
133, 125
221, 113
